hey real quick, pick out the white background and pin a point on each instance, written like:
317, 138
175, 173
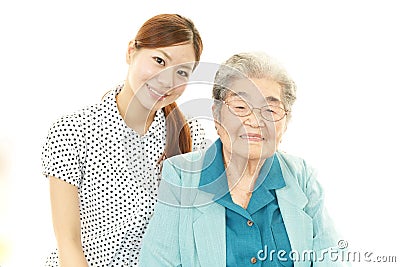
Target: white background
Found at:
59, 56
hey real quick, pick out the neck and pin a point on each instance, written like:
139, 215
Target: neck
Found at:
135, 115
240, 171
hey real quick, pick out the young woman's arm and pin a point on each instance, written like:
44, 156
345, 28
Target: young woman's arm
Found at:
66, 223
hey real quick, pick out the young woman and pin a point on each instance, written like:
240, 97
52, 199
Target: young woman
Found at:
103, 162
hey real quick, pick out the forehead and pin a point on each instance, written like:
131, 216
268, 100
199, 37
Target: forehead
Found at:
256, 89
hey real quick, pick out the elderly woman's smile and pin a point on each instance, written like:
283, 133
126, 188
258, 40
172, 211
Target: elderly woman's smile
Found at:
252, 137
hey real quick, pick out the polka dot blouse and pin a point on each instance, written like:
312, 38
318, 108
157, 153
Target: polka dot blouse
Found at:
117, 175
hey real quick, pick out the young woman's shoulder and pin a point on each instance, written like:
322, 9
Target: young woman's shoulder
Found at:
64, 150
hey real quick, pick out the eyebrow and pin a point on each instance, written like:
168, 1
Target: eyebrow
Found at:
272, 99
164, 53
268, 98
239, 94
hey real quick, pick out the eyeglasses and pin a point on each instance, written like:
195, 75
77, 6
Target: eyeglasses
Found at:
241, 108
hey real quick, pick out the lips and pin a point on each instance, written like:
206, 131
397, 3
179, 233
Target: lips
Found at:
252, 137
155, 93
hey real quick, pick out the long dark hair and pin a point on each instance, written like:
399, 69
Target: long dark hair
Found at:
167, 30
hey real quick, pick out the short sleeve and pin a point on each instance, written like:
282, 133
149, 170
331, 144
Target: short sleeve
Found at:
63, 151
197, 134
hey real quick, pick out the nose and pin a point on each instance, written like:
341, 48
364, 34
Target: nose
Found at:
254, 120
166, 78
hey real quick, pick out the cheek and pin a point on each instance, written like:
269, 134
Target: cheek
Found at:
179, 81
231, 128
141, 74
146, 73
225, 137
279, 131
180, 89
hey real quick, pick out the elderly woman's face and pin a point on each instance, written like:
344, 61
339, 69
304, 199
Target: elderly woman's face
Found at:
251, 136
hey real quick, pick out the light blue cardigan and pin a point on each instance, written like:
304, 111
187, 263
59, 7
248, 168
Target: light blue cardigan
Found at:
188, 227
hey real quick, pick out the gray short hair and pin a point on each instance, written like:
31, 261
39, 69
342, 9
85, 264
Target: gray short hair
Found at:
253, 65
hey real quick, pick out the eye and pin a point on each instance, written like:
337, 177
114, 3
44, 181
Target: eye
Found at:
239, 107
183, 73
159, 61
272, 109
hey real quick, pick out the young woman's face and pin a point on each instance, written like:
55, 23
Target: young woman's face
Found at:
159, 76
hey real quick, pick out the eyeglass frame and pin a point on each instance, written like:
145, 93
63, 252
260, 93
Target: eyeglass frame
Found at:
253, 108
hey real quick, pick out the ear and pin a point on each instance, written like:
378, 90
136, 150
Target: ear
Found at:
216, 119
130, 51
285, 127
216, 113
218, 127
213, 109
283, 131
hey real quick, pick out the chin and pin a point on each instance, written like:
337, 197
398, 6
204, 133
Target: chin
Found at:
156, 105
256, 156
151, 105
261, 153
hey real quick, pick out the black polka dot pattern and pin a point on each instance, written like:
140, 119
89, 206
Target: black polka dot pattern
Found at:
117, 176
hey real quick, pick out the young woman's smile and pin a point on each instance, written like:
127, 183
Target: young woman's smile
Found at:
155, 94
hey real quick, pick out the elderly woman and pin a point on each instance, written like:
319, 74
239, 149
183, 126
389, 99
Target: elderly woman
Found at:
242, 202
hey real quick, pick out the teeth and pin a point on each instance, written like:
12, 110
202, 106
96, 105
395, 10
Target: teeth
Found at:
155, 92
251, 137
